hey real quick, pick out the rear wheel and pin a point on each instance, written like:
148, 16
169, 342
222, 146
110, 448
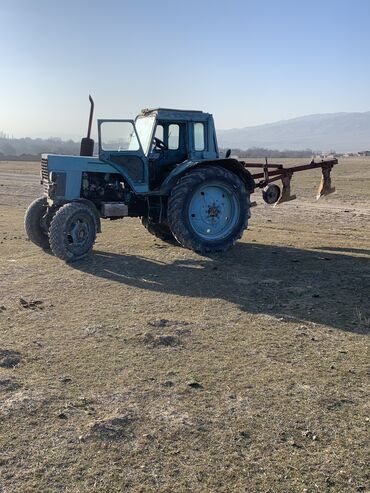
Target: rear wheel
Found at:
35, 223
208, 209
159, 230
73, 231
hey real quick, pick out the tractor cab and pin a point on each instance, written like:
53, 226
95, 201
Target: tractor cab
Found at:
146, 150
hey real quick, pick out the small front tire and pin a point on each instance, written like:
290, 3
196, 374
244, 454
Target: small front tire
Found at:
35, 223
72, 232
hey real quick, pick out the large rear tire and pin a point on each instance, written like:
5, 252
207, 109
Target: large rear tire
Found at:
159, 230
208, 209
72, 232
35, 223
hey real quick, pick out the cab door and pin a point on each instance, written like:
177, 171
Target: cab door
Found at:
119, 145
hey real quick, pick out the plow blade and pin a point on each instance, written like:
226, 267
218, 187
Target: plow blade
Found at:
325, 187
286, 195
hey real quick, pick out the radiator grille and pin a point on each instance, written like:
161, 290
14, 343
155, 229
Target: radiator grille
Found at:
45, 175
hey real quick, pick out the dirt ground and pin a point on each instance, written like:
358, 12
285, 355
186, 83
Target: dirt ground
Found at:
148, 368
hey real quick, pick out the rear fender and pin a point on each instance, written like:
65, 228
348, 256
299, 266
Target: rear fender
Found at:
230, 164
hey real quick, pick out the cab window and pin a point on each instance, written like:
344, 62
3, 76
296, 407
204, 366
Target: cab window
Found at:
173, 136
199, 142
118, 136
159, 132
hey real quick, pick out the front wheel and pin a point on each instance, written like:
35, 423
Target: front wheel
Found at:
35, 223
72, 232
208, 209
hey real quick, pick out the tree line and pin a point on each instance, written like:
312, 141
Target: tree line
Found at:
31, 149
258, 152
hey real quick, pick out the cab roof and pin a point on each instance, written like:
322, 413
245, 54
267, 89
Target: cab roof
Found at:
175, 114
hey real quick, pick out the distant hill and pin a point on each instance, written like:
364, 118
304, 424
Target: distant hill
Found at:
342, 132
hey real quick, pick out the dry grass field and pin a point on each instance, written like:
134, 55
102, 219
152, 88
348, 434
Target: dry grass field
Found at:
148, 368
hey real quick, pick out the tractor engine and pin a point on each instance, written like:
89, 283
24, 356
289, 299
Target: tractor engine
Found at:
100, 187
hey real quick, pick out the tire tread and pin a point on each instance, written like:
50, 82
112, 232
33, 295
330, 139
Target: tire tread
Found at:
159, 230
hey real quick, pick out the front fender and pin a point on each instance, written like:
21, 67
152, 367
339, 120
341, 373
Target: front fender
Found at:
230, 164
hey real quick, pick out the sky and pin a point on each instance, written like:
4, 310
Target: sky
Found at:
248, 62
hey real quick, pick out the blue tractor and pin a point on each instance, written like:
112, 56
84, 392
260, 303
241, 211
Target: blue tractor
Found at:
163, 167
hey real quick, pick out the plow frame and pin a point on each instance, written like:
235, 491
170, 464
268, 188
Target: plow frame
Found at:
274, 172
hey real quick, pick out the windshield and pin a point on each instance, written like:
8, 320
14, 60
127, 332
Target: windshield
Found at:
118, 136
144, 128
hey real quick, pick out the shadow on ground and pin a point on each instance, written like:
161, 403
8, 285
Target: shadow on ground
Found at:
304, 285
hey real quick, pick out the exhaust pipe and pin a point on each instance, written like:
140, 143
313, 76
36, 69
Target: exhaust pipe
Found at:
87, 144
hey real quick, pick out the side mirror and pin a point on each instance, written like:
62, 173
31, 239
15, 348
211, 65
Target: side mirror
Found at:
228, 153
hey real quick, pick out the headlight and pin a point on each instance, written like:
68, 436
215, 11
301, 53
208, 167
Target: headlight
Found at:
53, 176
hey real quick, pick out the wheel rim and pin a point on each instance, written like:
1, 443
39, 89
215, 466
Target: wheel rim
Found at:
79, 232
213, 211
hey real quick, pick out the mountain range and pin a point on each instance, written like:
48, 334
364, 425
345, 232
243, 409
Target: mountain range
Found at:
342, 132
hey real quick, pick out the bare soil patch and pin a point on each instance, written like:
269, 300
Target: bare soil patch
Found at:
148, 368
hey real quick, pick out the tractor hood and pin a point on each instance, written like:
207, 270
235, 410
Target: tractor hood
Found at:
63, 174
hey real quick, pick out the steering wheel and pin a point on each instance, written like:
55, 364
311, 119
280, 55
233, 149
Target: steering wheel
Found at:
159, 144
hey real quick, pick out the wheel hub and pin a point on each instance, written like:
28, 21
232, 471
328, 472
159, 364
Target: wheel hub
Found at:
213, 211
79, 232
